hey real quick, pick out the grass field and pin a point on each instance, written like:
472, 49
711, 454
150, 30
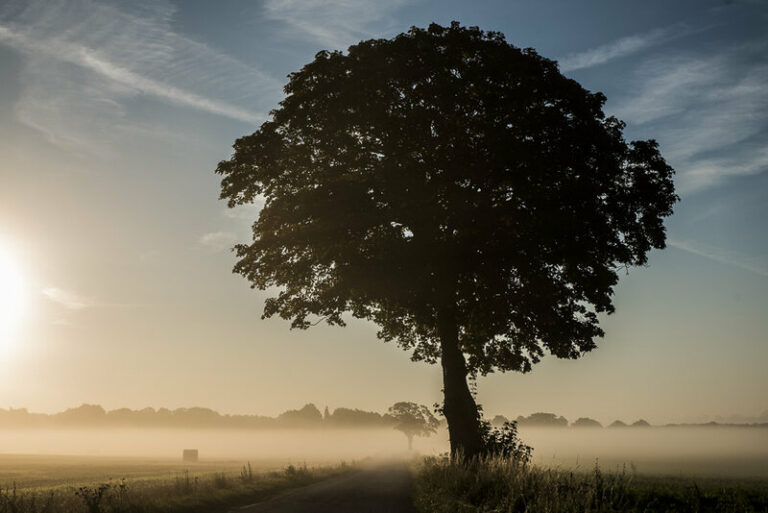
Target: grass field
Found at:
60, 484
499, 486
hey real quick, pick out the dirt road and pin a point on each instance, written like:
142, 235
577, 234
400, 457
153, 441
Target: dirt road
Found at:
382, 489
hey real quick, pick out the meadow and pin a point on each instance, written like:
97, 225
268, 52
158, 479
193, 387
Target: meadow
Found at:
66, 484
643, 469
659, 469
502, 486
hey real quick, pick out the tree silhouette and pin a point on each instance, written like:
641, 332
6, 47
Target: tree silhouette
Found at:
457, 191
541, 419
413, 420
586, 422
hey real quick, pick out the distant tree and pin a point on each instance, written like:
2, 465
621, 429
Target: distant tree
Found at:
326, 414
457, 191
586, 422
413, 420
21, 417
542, 420
499, 421
197, 416
641, 423
309, 415
617, 424
355, 418
84, 414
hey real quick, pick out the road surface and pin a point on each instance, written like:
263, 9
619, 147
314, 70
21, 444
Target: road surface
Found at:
382, 489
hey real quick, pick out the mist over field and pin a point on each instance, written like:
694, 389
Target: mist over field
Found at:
710, 451
731, 451
289, 445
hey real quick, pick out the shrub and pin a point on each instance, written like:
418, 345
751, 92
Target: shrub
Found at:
503, 442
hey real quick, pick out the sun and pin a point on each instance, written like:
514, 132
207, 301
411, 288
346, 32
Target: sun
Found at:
12, 295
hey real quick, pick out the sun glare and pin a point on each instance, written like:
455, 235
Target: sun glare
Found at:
12, 292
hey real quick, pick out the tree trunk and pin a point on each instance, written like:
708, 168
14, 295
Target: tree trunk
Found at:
410, 442
459, 407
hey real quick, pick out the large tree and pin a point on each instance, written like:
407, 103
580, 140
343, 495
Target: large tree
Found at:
459, 192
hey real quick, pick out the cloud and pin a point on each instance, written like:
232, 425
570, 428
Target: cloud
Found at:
67, 299
624, 46
84, 61
706, 172
335, 23
615, 49
723, 256
708, 112
218, 240
96, 61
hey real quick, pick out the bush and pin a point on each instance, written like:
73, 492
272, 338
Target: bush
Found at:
503, 442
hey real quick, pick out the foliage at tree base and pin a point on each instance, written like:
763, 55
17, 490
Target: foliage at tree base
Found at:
209, 493
500, 485
503, 442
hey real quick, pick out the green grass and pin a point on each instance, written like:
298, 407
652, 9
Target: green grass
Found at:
501, 486
198, 490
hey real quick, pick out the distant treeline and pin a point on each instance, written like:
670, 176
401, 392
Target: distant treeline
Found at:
94, 416
552, 420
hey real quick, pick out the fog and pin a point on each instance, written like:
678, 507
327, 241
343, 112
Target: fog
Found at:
715, 451
311, 445
736, 452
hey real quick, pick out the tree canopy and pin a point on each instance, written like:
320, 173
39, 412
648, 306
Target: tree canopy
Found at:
413, 420
460, 192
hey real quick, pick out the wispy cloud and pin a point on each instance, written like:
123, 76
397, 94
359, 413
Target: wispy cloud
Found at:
68, 299
336, 23
623, 47
97, 61
701, 173
84, 60
723, 256
218, 240
709, 112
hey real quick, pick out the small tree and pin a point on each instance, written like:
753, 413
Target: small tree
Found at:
413, 420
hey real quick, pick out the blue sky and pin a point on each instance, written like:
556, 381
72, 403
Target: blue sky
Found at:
113, 116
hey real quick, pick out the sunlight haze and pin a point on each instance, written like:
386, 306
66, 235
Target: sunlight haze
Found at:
116, 283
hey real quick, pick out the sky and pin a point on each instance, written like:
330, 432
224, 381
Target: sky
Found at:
116, 249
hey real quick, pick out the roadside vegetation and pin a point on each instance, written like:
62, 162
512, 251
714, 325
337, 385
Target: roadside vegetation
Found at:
184, 492
505, 485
